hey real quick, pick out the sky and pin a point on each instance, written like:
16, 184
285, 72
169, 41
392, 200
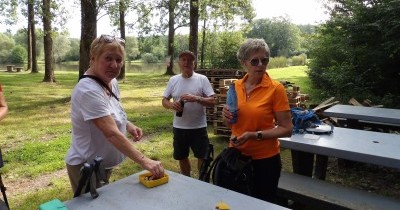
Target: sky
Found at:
299, 12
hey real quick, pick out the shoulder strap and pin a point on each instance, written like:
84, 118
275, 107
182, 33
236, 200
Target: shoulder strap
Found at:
98, 80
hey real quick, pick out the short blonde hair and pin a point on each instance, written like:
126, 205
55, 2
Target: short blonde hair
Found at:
99, 46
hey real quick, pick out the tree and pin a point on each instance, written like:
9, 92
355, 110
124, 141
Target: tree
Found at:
88, 32
282, 37
32, 56
48, 43
357, 52
62, 45
223, 14
194, 25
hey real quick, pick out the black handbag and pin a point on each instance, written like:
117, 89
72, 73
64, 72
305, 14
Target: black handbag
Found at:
233, 171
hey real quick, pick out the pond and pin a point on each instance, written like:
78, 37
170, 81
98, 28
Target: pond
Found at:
156, 68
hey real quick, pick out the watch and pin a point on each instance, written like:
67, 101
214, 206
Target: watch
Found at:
259, 135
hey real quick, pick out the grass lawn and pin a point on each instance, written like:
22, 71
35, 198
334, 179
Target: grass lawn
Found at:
36, 133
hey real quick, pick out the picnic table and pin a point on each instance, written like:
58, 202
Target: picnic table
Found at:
352, 144
361, 114
181, 192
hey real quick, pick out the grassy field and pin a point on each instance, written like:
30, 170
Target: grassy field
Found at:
36, 134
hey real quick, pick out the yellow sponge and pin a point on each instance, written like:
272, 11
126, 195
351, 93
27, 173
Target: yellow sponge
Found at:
146, 180
222, 206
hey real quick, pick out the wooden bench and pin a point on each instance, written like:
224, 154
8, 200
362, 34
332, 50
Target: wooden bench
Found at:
18, 69
325, 195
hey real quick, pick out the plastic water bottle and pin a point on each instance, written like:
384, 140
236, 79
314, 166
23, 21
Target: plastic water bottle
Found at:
231, 101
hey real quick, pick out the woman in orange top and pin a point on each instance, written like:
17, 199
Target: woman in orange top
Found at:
263, 117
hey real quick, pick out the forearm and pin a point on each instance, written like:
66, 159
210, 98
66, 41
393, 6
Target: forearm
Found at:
274, 133
3, 112
3, 106
166, 103
206, 101
122, 143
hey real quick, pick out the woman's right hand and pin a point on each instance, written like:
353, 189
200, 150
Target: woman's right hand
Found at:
226, 114
154, 167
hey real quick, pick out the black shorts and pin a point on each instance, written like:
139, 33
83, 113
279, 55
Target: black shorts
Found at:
196, 139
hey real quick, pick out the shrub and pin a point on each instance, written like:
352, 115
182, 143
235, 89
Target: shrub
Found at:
18, 55
149, 58
278, 62
299, 60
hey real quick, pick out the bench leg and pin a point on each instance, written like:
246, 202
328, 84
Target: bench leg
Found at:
321, 164
302, 163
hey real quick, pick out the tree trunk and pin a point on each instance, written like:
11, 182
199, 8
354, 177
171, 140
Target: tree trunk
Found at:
122, 9
88, 32
194, 22
29, 34
48, 43
171, 37
203, 44
32, 57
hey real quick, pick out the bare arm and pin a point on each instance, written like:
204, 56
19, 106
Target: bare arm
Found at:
205, 101
283, 129
121, 142
171, 105
3, 106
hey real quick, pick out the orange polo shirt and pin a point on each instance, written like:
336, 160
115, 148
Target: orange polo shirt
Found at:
256, 112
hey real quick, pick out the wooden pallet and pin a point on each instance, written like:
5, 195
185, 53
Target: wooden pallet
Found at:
221, 131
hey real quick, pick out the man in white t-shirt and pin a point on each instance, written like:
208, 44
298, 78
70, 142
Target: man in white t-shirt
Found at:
190, 123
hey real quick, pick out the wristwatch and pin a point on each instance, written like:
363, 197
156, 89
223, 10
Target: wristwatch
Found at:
259, 135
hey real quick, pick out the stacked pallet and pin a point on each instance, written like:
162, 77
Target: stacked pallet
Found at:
220, 80
296, 99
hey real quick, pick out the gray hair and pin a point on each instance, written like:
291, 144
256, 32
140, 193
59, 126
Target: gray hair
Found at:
250, 46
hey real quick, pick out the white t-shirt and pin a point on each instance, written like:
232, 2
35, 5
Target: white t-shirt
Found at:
194, 114
90, 101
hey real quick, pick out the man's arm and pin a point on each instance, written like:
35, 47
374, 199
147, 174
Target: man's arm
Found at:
3, 106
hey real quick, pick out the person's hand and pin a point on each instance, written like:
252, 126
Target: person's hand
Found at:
135, 131
189, 97
177, 106
226, 114
154, 167
239, 140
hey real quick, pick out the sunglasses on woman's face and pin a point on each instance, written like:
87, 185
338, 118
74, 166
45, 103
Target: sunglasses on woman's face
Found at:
110, 39
256, 61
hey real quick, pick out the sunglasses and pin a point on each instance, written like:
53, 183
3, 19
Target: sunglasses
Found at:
110, 39
256, 61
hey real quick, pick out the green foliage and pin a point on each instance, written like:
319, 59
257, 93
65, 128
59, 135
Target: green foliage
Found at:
278, 62
73, 52
61, 47
131, 48
357, 52
149, 58
282, 37
299, 60
18, 55
6, 43
222, 49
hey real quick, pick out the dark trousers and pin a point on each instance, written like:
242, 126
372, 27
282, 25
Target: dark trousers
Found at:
266, 177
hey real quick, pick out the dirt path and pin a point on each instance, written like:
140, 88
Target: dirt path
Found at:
27, 185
